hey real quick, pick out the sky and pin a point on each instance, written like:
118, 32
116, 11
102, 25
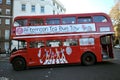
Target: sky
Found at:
87, 6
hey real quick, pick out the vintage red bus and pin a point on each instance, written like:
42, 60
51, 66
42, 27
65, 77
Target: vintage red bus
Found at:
61, 39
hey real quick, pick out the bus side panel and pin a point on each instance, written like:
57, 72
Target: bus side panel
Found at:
73, 54
98, 50
94, 50
59, 55
33, 57
56, 55
98, 54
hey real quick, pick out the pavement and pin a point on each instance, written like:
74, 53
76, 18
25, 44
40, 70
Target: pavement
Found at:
4, 57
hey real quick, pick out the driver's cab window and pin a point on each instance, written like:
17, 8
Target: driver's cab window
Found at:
22, 44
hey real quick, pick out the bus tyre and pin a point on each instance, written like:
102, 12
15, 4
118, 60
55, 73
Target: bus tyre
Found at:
88, 59
18, 64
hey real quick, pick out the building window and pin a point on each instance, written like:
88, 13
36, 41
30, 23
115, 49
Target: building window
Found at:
61, 10
0, 21
53, 3
7, 32
7, 21
0, 11
7, 46
0, 34
57, 7
0, 1
7, 11
8, 2
23, 7
53, 11
33, 8
42, 9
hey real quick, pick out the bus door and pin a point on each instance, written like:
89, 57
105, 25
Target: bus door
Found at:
106, 44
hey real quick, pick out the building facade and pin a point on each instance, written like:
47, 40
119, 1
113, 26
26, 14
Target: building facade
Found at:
5, 23
116, 1
12, 8
37, 7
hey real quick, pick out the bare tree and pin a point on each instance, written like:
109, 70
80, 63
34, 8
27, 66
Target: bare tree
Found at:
115, 16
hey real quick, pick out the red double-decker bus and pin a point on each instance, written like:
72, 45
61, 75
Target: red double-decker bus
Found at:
61, 39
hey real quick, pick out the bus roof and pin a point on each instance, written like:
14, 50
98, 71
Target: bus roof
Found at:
60, 15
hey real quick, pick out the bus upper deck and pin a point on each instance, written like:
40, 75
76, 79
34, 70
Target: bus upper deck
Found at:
61, 24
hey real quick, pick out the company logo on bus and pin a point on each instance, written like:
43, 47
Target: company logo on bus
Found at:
54, 56
19, 30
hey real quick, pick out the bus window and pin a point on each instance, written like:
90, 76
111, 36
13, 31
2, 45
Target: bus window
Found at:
37, 44
70, 42
54, 43
19, 23
99, 19
86, 41
68, 20
36, 22
22, 44
53, 21
84, 19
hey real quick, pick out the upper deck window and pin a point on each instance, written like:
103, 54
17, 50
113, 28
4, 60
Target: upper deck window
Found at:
18, 23
84, 19
8, 2
36, 22
68, 20
99, 19
53, 21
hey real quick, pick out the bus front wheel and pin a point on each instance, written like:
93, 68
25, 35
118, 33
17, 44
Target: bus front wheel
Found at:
18, 64
88, 59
